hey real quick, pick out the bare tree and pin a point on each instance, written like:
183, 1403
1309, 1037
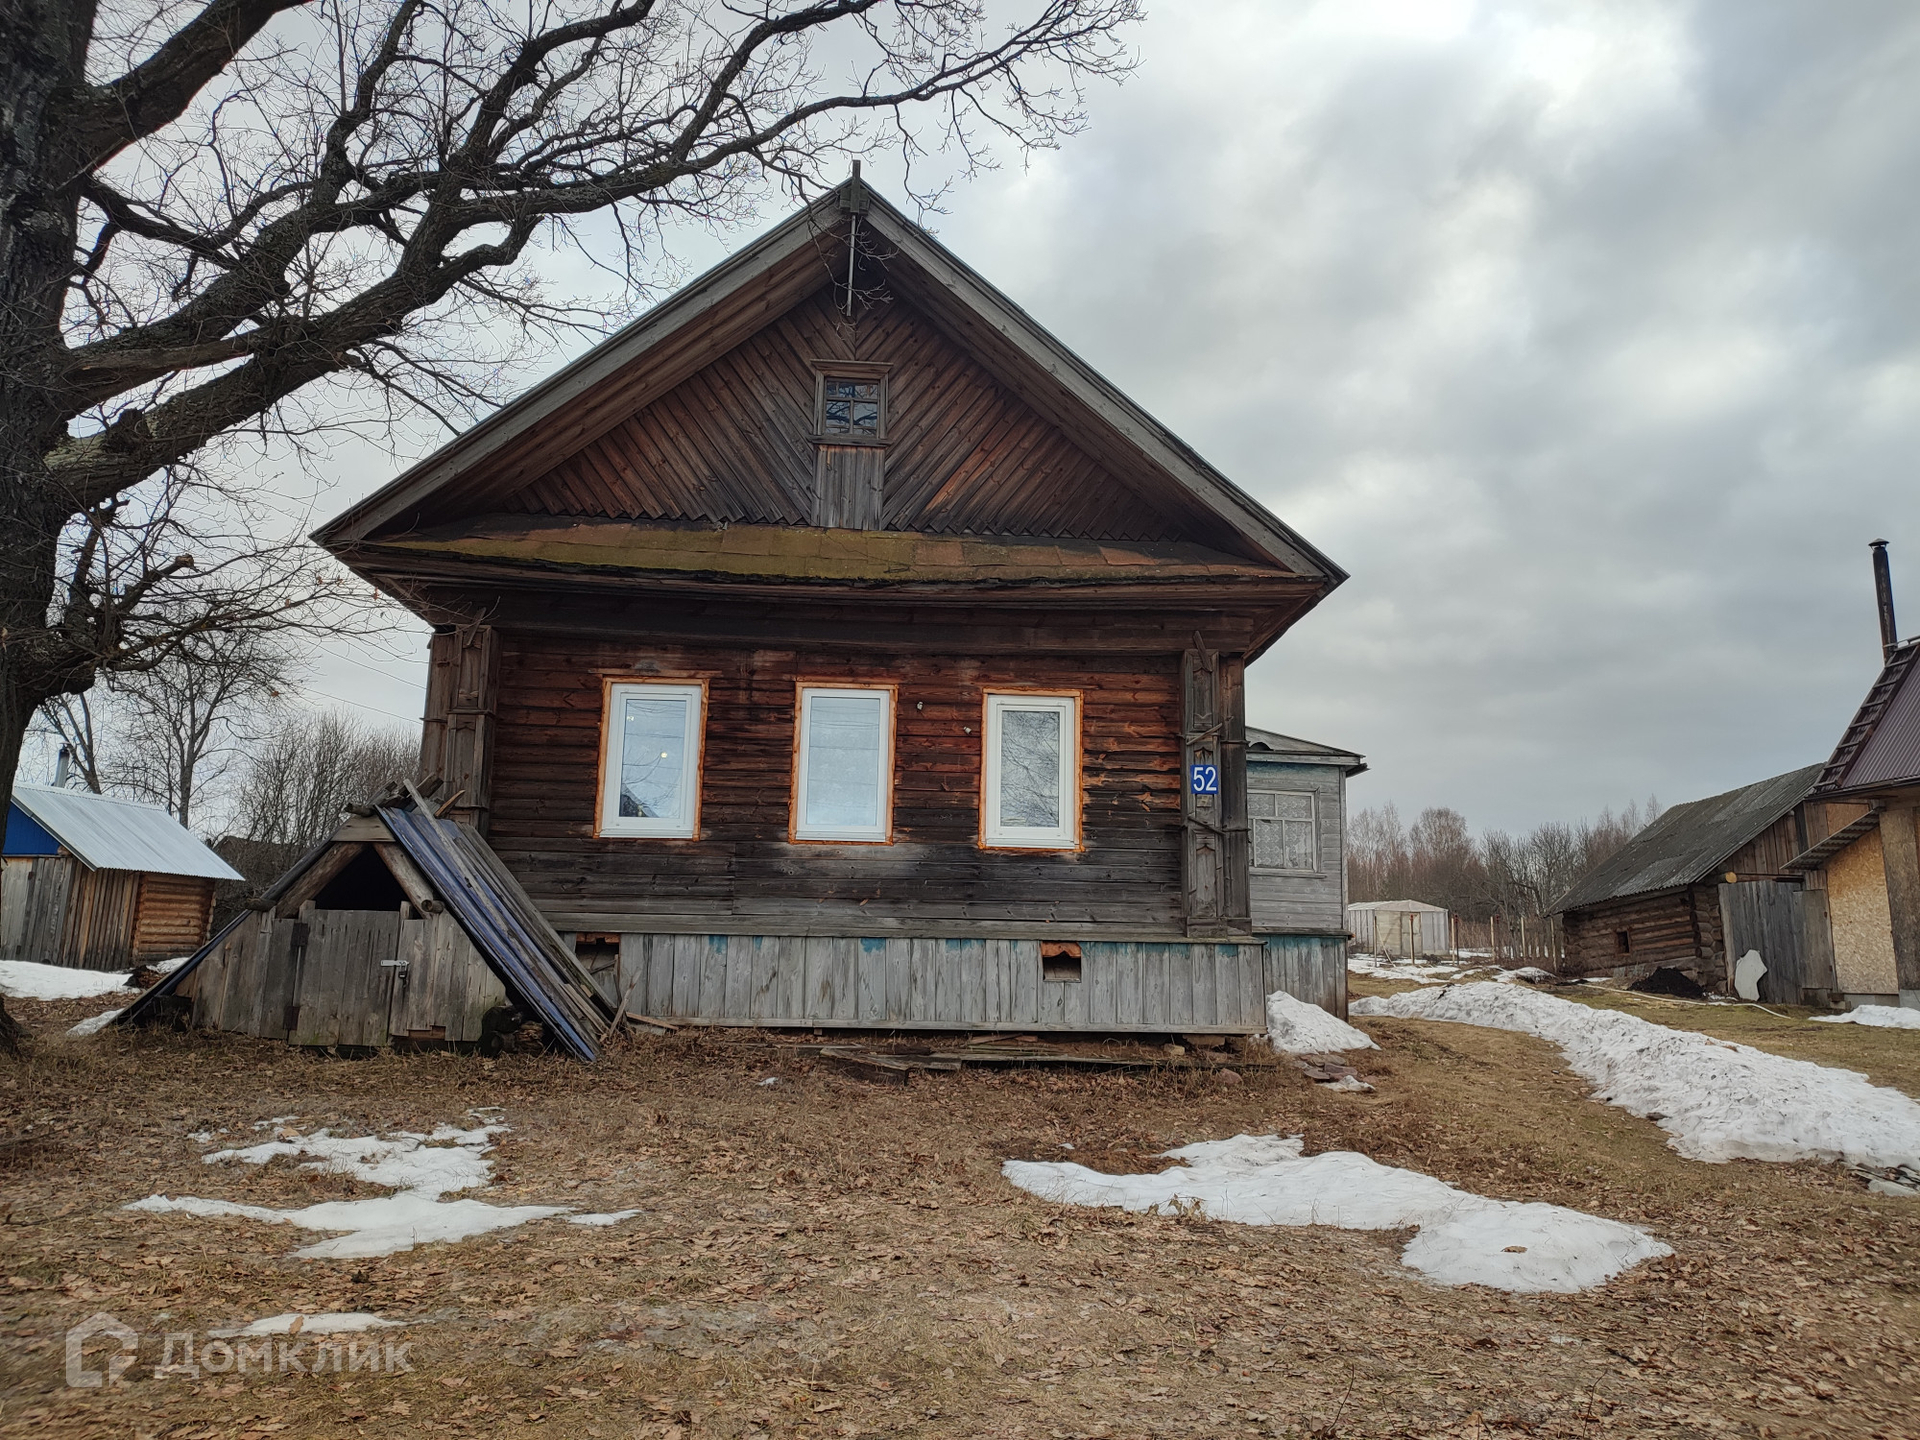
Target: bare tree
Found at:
207, 206
185, 716
80, 733
297, 782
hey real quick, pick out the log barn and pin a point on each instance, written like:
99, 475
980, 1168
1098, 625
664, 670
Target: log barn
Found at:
834, 647
1703, 884
100, 883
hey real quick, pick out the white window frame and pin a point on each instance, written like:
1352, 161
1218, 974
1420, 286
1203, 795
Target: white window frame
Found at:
611, 823
1065, 835
881, 834
1313, 819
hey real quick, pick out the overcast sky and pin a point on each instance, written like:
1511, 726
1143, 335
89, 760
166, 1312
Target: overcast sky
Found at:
1584, 335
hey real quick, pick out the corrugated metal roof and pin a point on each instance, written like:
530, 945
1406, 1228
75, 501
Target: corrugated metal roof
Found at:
1691, 842
108, 833
1891, 753
1407, 907
1290, 747
1814, 856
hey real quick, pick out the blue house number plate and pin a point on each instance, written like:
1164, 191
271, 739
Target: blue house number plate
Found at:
1206, 779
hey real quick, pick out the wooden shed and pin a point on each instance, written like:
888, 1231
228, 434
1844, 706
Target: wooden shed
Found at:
101, 883
1297, 817
1705, 884
834, 647
400, 928
1403, 929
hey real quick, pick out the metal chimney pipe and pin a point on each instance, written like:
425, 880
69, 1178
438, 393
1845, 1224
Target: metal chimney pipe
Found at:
63, 768
1883, 595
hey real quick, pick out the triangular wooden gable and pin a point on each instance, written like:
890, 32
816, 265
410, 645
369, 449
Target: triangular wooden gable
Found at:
733, 443
702, 411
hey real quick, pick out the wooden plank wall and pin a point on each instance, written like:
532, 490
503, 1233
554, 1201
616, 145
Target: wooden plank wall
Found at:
1767, 916
743, 875
735, 442
456, 733
1283, 900
865, 982
170, 916
34, 893
321, 974
98, 934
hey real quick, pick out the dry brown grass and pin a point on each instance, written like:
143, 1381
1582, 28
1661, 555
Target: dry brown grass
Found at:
829, 1257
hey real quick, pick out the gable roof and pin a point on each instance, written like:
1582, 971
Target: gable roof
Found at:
483, 470
1690, 842
1272, 745
108, 833
1881, 746
460, 871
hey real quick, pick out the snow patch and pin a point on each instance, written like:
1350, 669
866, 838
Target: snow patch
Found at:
1424, 972
94, 1024
421, 1169
1463, 1239
1716, 1099
612, 1217
27, 980
1892, 1016
346, 1322
1297, 1028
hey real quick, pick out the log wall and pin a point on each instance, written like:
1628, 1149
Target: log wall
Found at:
742, 875
1680, 928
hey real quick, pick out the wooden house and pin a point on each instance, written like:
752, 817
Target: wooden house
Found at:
400, 928
1403, 929
833, 647
101, 883
1705, 884
1868, 860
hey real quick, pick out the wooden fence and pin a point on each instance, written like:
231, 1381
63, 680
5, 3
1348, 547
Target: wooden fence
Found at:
1513, 940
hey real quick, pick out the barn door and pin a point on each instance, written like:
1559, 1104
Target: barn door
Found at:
1767, 916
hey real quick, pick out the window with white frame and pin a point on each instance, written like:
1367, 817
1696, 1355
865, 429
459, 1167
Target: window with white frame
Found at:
1030, 781
1284, 835
843, 768
650, 780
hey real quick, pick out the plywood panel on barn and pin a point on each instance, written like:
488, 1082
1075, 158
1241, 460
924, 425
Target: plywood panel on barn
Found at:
1862, 922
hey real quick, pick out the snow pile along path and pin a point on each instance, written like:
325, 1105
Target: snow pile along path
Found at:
1297, 1028
1718, 1100
1892, 1017
25, 980
1464, 1239
420, 1169
1426, 972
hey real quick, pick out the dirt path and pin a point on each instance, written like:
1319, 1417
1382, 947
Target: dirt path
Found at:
828, 1257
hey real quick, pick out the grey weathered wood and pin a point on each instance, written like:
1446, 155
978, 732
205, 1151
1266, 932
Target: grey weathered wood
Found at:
1766, 916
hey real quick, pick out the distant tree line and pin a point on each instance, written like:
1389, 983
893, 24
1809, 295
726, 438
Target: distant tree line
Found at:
1439, 861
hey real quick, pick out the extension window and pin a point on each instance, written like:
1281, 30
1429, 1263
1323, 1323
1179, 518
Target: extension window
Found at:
843, 765
650, 765
1285, 836
1031, 779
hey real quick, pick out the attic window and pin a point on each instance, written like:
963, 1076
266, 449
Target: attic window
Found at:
1623, 941
852, 403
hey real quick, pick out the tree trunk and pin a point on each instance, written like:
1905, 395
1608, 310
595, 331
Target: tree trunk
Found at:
42, 53
13, 1036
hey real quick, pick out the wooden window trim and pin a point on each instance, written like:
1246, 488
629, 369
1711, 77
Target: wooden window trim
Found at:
1313, 799
613, 827
1073, 768
889, 781
848, 370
